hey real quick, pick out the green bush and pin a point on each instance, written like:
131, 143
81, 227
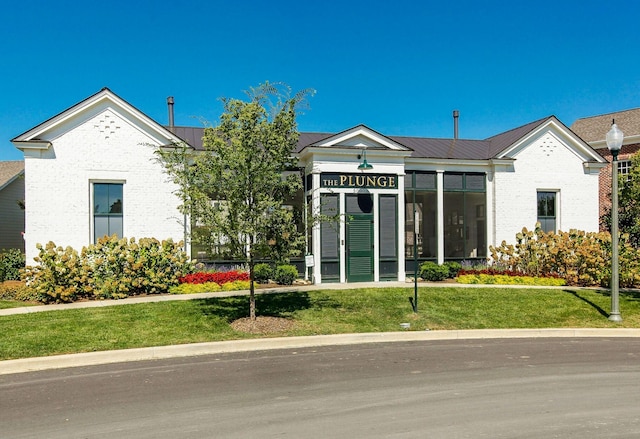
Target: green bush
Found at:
432, 272
453, 267
262, 273
111, 268
11, 262
285, 274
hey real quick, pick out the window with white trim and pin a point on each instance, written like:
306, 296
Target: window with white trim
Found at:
107, 210
547, 210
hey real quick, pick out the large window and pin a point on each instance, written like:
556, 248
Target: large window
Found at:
421, 204
464, 215
388, 225
547, 211
107, 210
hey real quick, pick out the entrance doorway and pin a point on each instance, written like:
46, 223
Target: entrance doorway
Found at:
359, 235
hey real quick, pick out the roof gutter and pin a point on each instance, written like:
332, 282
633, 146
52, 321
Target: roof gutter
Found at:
23, 145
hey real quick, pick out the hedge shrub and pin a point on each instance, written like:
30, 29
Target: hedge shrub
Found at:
11, 262
262, 273
285, 274
432, 272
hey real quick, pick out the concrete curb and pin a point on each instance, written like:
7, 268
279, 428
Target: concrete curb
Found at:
196, 349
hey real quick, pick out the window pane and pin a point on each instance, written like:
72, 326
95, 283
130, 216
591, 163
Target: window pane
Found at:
425, 180
115, 198
454, 225
100, 227
100, 198
475, 225
453, 181
408, 180
115, 226
474, 181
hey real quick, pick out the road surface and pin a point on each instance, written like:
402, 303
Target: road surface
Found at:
504, 388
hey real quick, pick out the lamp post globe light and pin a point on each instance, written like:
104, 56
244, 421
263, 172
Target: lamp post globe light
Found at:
614, 143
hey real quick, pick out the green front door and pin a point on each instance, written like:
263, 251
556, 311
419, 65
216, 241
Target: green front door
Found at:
360, 248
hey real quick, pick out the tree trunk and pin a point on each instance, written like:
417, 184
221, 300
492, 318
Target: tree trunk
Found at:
252, 291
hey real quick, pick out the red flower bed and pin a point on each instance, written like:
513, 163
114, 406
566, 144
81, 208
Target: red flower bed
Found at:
219, 277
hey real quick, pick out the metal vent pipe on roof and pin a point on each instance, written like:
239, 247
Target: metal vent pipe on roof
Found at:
456, 115
170, 105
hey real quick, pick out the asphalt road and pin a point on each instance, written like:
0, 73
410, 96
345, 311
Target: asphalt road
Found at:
505, 388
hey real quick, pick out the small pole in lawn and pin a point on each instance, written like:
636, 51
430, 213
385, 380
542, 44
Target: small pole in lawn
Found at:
416, 216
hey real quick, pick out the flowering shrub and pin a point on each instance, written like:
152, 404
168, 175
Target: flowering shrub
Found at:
581, 258
111, 268
219, 277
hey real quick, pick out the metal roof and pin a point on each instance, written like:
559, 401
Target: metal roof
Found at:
422, 147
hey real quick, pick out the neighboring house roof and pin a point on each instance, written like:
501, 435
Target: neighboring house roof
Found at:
497, 146
595, 128
9, 171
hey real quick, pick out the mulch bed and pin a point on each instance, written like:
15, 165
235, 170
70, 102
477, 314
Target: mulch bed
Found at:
263, 325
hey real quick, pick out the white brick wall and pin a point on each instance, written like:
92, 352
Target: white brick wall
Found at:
546, 164
107, 147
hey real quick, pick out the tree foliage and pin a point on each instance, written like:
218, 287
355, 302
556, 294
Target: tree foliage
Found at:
235, 189
628, 204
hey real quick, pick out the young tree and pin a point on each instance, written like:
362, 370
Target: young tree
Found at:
236, 188
629, 204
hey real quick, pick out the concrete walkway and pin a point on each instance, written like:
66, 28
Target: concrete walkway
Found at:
163, 352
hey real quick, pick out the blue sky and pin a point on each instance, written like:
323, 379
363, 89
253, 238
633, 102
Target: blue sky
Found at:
400, 67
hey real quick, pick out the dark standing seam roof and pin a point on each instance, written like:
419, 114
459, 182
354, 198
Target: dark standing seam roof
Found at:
423, 147
500, 142
192, 136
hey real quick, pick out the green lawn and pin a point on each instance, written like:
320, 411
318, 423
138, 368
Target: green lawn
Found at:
315, 312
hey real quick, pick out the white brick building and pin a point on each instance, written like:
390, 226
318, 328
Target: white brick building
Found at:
98, 144
465, 194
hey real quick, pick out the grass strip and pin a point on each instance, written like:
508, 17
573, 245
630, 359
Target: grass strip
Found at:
314, 312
